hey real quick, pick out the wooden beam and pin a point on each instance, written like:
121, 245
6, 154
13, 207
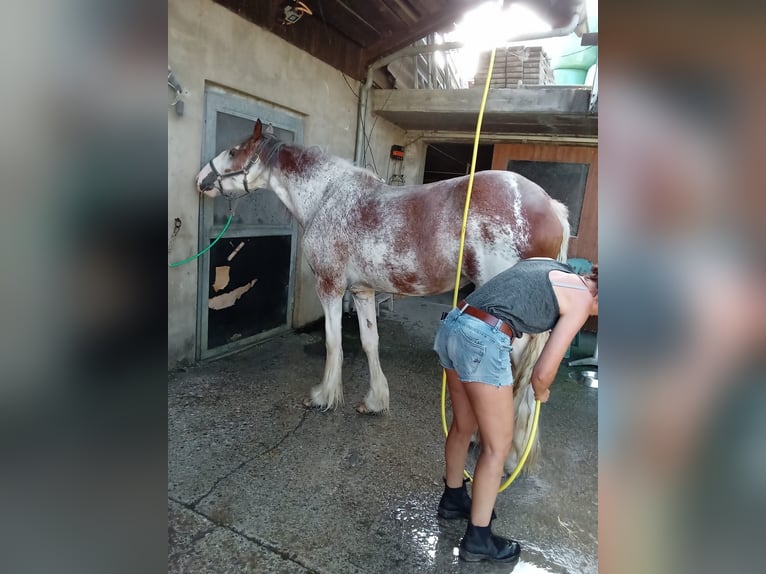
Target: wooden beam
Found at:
427, 24
350, 22
309, 34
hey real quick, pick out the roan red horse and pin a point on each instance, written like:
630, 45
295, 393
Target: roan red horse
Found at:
363, 235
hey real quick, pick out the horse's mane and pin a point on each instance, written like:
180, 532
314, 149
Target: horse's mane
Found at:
269, 147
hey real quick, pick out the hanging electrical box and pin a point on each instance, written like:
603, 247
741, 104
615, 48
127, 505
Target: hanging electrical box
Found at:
396, 165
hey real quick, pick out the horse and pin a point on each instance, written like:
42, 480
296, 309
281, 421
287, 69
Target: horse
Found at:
365, 236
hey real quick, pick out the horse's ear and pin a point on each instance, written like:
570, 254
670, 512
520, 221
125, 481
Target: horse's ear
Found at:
257, 130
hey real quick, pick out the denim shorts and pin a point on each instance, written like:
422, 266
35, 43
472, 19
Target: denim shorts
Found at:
475, 350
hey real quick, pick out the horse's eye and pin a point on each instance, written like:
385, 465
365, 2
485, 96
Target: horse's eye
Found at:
232, 152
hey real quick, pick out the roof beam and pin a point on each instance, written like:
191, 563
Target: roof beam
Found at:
426, 25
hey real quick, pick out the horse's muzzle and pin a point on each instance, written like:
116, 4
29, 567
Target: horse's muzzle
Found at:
208, 184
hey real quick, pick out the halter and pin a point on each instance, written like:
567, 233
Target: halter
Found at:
274, 145
219, 177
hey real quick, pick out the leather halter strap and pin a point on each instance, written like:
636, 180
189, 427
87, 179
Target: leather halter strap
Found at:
219, 177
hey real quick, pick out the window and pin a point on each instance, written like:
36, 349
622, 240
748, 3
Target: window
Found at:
561, 180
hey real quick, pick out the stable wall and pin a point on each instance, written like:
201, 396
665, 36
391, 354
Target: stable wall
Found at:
208, 44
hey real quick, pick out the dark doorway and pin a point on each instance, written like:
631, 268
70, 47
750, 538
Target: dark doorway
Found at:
448, 160
248, 294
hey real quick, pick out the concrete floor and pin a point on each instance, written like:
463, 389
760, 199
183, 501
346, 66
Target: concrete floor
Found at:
257, 483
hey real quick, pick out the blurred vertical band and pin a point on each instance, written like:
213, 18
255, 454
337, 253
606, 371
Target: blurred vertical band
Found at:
82, 344
682, 465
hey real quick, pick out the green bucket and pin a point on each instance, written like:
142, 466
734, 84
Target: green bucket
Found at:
569, 76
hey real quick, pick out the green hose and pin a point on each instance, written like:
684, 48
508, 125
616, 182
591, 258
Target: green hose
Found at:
193, 257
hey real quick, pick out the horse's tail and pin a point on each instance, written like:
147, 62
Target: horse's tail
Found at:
562, 213
524, 404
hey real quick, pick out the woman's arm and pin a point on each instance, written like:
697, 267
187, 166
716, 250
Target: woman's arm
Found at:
568, 325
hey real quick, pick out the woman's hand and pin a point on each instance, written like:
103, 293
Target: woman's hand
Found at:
543, 396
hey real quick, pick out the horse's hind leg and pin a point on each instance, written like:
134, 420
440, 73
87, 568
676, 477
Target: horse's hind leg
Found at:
329, 394
377, 397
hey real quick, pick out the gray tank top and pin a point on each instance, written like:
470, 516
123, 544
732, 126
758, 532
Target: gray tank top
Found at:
522, 296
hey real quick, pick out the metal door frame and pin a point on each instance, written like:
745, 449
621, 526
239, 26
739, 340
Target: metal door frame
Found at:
218, 99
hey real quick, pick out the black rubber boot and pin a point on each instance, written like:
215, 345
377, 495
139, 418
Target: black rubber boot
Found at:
455, 503
480, 544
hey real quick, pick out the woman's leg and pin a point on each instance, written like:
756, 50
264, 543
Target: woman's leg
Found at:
493, 408
461, 430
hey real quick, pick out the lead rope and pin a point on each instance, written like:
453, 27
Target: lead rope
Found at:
528, 448
201, 253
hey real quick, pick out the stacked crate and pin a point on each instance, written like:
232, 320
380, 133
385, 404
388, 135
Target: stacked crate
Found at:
516, 66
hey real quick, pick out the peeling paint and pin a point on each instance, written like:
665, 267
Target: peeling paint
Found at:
228, 299
221, 278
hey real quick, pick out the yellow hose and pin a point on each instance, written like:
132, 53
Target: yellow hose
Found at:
528, 448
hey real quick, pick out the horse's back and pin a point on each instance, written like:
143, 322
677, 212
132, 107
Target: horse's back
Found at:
406, 239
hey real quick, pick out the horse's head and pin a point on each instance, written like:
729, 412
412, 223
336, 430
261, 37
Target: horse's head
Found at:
237, 170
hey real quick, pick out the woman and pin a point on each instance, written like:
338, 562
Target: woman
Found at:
474, 343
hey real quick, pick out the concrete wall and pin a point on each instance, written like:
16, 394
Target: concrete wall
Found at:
209, 44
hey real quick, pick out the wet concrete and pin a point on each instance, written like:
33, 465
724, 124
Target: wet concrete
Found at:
257, 483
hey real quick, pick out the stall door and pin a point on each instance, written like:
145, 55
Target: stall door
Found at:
246, 280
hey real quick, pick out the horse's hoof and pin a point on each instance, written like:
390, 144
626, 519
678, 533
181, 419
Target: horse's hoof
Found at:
363, 409
309, 404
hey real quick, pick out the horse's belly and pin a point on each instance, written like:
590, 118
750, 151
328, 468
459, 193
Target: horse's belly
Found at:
399, 277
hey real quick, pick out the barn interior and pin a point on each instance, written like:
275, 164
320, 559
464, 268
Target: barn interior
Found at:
258, 483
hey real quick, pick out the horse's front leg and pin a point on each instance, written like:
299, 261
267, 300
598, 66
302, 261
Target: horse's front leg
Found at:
329, 394
377, 397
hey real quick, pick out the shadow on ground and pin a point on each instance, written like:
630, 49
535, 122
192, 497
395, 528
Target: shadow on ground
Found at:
257, 483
